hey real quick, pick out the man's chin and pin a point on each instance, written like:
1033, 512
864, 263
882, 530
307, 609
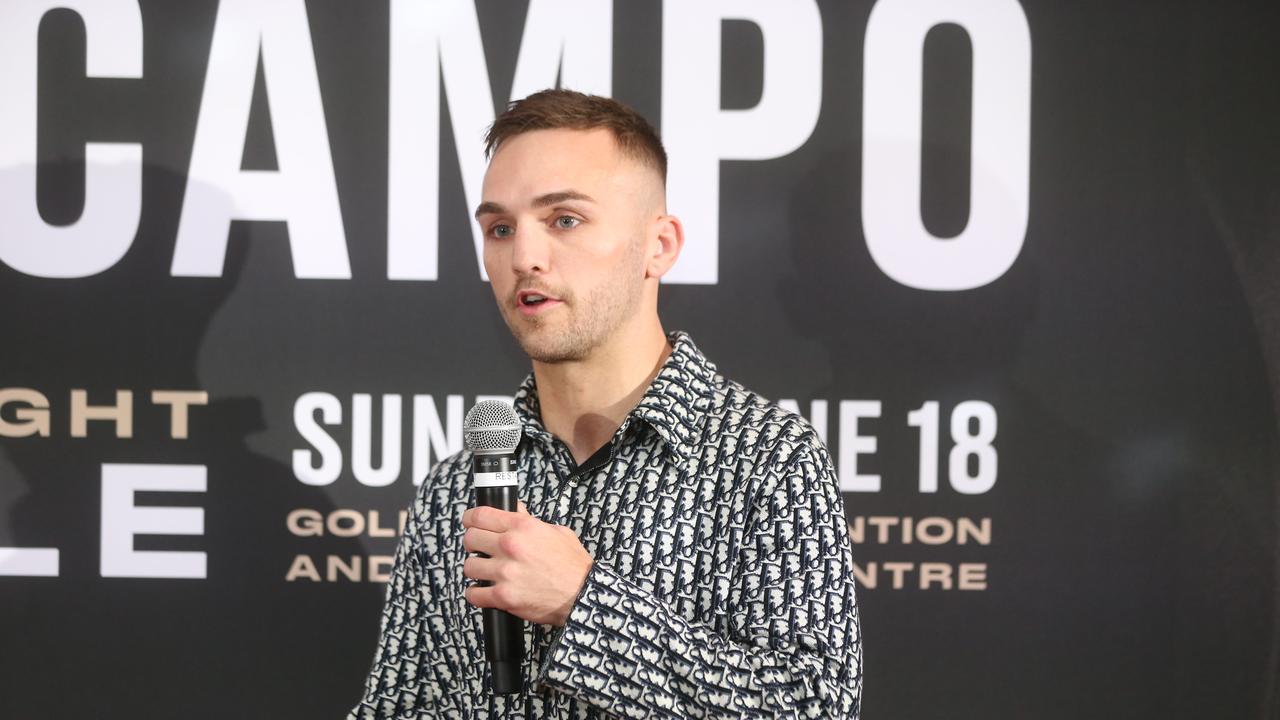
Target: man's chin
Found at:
552, 355
546, 346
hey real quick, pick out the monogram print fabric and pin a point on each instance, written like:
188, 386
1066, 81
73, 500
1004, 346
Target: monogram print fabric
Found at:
722, 585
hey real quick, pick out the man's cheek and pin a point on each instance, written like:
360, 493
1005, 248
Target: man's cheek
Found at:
498, 280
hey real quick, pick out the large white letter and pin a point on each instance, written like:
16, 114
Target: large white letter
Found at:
698, 134
999, 184
304, 420
362, 440
303, 191
430, 39
429, 433
122, 520
28, 562
113, 171
852, 445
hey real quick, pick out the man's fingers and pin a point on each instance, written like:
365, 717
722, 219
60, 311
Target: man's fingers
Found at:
520, 508
487, 518
493, 596
478, 568
481, 597
482, 541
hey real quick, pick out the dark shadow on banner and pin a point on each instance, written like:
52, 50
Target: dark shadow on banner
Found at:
242, 642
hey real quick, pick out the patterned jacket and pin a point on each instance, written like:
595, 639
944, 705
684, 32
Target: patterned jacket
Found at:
722, 584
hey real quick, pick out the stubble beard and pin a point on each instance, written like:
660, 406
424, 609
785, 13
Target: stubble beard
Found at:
590, 322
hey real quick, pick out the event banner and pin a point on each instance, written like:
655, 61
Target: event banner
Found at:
1018, 264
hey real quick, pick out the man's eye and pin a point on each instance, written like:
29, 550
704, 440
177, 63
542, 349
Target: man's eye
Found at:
566, 222
502, 231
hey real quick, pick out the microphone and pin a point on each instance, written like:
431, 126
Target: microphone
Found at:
492, 432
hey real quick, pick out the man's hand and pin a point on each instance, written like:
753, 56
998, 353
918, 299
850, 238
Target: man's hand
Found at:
537, 569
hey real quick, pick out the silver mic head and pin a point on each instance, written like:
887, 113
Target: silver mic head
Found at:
491, 427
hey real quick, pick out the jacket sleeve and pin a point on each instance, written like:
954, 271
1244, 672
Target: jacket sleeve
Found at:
794, 644
397, 686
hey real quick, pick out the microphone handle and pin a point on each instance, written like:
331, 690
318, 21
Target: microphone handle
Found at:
503, 632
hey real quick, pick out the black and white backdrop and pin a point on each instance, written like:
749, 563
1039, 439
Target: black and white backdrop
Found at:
1020, 263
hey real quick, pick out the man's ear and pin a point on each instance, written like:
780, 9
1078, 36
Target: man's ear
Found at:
669, 233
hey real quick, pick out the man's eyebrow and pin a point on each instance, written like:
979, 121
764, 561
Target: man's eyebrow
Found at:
559, 197
489, 208
492, 208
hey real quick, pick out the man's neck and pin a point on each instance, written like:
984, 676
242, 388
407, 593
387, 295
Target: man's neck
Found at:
584, 402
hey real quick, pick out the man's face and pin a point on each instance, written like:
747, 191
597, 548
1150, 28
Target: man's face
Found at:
564, 216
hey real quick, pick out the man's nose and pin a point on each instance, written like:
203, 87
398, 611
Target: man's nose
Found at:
530, 251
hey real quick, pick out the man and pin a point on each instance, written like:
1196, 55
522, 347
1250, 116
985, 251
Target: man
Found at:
681, 550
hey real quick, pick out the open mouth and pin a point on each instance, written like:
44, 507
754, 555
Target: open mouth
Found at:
530, 300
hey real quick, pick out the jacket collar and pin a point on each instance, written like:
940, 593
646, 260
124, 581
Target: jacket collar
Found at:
675, 405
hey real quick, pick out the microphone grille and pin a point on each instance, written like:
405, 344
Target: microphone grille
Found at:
491, 426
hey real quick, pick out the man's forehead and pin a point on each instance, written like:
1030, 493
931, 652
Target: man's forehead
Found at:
567, 153
542, 162
590, 140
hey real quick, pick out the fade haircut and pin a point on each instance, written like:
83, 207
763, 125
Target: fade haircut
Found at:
571, 110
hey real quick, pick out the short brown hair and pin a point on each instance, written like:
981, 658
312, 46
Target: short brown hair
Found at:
571, 110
